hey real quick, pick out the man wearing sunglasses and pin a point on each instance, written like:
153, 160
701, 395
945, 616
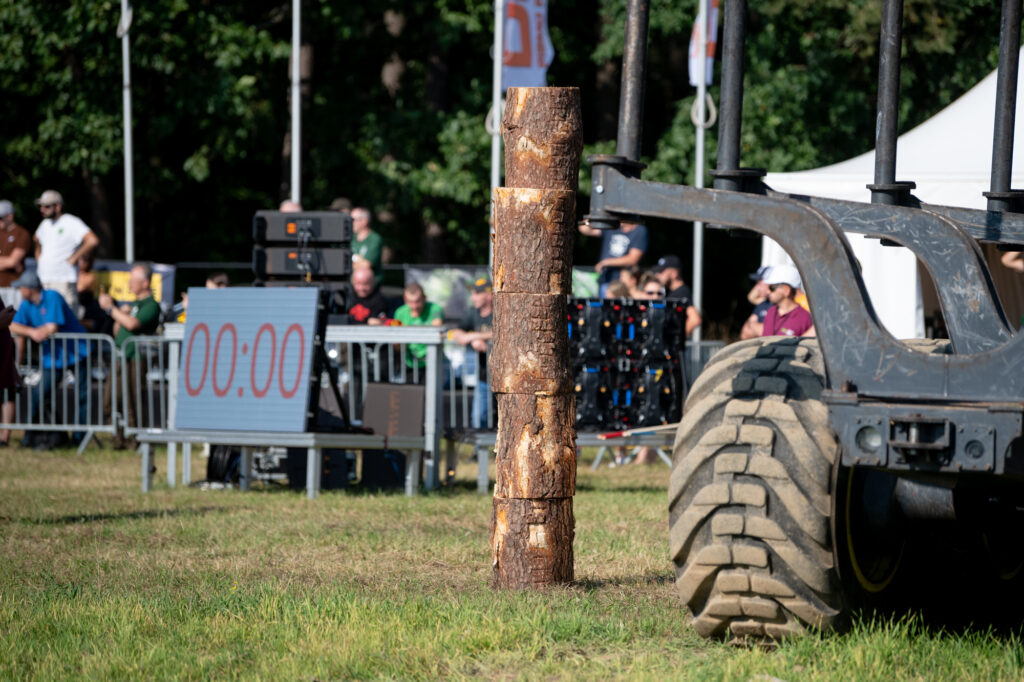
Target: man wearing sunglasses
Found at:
60, 241
786, 317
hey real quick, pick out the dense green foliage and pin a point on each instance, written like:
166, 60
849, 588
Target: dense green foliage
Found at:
395, 101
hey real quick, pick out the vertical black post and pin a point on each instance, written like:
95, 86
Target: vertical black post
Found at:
730, 110
1000, 198
631, 96
885, 189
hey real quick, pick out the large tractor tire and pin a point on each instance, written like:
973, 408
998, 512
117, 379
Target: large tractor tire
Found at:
750, 499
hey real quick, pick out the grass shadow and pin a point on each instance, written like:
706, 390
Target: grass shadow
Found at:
650, 578
69, 519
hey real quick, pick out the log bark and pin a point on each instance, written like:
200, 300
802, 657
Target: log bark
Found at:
532, 524
533, 240
535, 450
530, 351
543, 133
531, 542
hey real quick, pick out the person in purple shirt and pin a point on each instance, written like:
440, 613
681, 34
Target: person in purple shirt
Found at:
43, 313
786, 317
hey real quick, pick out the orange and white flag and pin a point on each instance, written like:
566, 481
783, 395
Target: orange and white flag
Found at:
527, 49
709, 61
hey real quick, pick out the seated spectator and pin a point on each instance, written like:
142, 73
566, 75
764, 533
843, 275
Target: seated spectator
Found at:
618, 289
476, 332
785, 317
758, 297
217, 280
289, 206
417, 311
367, 305
668, 272
649, 288
631, 278
42, 314
621, 248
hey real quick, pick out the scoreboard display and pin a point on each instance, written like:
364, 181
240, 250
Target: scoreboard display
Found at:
247, 359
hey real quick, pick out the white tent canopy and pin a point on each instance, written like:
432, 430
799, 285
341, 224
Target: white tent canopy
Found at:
949, 156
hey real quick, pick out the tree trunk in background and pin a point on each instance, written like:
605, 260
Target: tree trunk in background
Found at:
532, 524
99, 214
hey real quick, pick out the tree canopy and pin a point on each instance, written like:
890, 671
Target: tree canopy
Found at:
395, 95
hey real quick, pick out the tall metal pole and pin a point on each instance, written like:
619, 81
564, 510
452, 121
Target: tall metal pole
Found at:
1000, 198
126, 84
631, 96
296, 181
698, 171
499, 58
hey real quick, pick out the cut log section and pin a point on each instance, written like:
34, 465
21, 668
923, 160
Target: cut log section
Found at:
530, 353
531, 542
533, 240
535, 452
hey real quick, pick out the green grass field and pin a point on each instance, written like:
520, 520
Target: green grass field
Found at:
100, 581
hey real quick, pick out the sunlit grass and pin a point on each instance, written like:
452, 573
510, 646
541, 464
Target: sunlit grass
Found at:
100, 581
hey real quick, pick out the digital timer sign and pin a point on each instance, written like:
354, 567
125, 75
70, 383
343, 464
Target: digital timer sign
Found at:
246, 359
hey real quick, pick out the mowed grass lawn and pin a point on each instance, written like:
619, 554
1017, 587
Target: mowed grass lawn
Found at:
100, 581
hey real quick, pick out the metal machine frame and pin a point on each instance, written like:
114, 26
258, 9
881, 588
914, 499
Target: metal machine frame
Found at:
892, 407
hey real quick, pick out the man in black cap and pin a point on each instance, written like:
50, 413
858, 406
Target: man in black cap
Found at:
667, 271
476, 332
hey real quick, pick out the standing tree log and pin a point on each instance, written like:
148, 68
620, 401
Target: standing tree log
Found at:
532, 525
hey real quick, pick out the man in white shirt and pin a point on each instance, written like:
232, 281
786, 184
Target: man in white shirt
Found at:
61, 239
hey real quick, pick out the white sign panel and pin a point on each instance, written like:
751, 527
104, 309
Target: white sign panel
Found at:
246, 359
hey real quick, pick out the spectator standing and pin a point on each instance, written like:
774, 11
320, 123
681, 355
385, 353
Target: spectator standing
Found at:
758, 297
418, 311
476, 332
368, 305
15, 245
42, 314
137, 318
785, 317
60, 241
10, 380
668, 272
621, 248
367, 245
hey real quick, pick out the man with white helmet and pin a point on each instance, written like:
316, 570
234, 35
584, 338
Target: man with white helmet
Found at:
786, 317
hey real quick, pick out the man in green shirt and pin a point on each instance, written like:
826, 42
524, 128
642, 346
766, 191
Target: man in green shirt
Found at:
418, 311
136, 318
366, 244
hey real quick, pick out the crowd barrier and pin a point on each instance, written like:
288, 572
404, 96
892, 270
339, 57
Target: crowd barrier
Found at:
78, 396
135, 388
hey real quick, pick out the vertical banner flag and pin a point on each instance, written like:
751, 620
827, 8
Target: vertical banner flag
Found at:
527, 50
695, 62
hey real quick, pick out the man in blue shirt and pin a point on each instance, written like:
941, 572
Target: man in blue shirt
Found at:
42, 314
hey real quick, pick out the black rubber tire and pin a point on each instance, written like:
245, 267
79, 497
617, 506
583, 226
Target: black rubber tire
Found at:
749, 494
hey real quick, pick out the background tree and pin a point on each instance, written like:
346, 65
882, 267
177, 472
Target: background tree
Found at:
395, 103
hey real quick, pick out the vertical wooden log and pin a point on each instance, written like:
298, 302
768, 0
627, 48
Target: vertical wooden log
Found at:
532, 524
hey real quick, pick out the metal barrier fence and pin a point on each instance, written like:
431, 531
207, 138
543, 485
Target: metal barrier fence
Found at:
99, 388
68, 384
150, 376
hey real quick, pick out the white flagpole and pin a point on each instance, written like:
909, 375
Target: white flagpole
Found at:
296, 179
129, 184
499, 48
698, 174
